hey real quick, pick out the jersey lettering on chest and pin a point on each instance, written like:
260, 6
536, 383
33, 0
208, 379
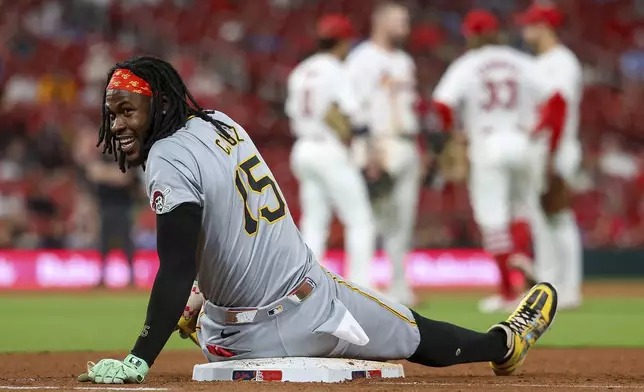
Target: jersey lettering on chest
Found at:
228, 138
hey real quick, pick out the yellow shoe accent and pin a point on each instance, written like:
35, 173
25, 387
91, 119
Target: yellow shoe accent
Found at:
526, 325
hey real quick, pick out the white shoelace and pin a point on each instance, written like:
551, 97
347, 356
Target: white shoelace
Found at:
526, 317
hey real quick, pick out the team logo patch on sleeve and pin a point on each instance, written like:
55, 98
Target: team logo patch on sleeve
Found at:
158, 201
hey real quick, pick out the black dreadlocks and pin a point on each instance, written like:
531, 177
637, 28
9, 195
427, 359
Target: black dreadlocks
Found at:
165, 82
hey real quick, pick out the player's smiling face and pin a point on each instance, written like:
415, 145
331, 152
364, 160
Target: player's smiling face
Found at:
129, 121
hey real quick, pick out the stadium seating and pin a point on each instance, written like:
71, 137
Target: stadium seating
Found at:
246, 48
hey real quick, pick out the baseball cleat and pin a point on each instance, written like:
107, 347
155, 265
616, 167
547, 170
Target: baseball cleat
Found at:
525, 326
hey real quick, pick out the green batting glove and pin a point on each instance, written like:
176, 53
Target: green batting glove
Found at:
112, 371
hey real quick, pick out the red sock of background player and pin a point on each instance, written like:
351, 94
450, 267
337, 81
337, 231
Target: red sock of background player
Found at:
498, 242
521, 237
506, 288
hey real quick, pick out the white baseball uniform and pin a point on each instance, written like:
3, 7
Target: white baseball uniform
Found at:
557, 241
385, 83
322, 164
497, 91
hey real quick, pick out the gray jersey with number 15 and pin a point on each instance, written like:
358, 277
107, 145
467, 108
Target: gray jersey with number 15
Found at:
251, 252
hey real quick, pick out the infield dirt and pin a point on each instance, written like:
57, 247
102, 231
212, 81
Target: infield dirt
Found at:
545, 369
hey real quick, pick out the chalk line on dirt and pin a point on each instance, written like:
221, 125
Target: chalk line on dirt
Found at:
514, 385
423, 383
105, 388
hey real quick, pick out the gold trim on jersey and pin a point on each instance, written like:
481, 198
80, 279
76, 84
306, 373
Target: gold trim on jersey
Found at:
239, 138
371, 297
265, 206
226, 149
239, 184
230, 140
263, 182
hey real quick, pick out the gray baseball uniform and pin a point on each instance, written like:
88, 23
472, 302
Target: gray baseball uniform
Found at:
266, 295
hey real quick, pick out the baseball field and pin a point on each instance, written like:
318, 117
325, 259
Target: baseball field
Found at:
46, 339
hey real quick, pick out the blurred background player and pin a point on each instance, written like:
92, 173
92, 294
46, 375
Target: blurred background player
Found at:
385, 82
321, 106
497, 90
557, 240
116, 194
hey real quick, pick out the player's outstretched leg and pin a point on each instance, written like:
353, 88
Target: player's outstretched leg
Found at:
505, 345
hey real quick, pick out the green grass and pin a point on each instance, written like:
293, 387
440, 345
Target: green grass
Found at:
58, 322
73, 323
600, 322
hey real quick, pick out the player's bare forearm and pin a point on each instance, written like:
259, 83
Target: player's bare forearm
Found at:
177, 239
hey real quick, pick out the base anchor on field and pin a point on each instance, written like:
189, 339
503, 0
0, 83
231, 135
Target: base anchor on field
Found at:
296, 369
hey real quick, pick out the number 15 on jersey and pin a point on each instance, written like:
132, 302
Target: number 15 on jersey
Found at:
245, 182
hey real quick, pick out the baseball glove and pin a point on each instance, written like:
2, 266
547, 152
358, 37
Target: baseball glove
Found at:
453, 161
558, 195
339, 123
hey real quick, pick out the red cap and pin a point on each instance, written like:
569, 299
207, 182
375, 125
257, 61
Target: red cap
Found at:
539, 13
479, 22
335, 26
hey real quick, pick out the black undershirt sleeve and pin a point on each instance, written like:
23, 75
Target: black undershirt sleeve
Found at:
177, 240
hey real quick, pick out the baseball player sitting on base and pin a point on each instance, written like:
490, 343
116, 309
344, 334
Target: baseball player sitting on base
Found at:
221, 216
321, 105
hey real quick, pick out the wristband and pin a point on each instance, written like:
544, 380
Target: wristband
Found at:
137, 363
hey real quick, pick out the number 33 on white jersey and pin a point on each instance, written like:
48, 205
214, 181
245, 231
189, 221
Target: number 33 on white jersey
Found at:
494, 88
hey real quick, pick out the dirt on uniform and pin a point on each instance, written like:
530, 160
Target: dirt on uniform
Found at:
545, 369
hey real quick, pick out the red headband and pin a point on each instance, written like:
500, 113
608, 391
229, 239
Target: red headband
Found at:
124, 79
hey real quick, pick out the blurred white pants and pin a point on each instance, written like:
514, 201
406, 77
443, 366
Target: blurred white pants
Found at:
328, 181
395, 213
501, 186
557, 241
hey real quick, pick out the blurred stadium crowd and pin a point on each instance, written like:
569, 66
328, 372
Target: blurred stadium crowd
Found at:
235, 56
